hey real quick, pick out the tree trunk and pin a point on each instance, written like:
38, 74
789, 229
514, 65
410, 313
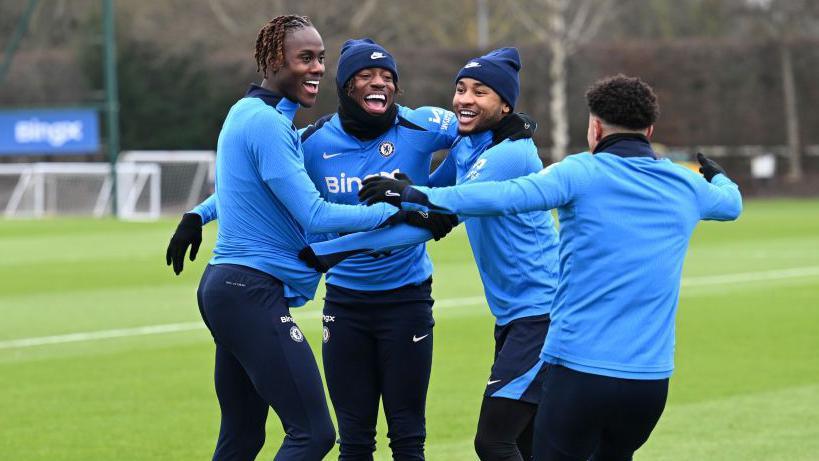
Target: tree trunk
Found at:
558, 111
791, 114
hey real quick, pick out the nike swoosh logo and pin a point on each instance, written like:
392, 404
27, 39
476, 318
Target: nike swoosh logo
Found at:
326, 155
415, 339
390, 193
493, 382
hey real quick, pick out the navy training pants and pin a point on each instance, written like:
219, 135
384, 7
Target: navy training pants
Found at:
262, 360
583, 416
378, 346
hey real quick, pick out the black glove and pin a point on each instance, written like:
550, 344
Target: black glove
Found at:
709, 168
439, 224
309, 257
514, 126
383, 189
188, 233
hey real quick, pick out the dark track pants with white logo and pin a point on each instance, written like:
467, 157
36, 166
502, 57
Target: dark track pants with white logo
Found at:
378, 345
262, 361
583, 416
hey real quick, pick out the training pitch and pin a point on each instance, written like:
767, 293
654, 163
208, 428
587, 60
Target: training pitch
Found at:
103, 355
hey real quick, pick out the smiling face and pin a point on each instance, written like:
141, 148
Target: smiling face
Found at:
298, 78
477, 106
373, 89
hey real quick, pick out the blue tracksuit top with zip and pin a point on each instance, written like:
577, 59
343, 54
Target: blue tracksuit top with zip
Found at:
516, 255
626, 219
337, 162
265, 201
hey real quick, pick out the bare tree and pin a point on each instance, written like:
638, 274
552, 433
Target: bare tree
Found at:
567, 26
782, 20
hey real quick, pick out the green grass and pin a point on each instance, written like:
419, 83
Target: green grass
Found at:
746, 385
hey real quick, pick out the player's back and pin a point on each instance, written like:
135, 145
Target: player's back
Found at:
624, 236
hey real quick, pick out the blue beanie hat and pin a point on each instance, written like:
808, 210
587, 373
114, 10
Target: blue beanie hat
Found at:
362, 54
498, 70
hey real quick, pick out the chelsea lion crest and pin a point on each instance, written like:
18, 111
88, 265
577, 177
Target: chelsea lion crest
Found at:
296, 334
386, 148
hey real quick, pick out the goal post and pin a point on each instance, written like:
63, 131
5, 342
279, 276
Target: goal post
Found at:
187, 176
37, 190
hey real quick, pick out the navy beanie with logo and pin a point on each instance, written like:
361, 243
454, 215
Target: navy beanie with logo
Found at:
498, 70
361, 54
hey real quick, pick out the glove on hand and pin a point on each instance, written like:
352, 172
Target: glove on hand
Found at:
383, 189
309, 257
439, 224
188, 233
709, 168
514, 126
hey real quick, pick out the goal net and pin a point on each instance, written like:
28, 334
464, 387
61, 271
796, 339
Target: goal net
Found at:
148, 185
36, 190
187, 177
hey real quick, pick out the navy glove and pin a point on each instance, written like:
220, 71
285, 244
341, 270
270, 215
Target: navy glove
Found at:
439, 224
309, 257
709, 168
188, 234
324, 263
383, 189
514, 126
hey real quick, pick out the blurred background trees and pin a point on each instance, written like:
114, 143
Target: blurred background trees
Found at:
728, 72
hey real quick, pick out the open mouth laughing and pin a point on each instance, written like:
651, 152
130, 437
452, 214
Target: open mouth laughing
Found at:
376, 102
311, 86
466, 116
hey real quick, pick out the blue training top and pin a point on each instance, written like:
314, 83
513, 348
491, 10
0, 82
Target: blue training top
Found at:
626, 219
516, 255
265, 200
338, 162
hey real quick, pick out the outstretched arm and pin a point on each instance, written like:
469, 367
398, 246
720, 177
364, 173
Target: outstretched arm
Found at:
324, 255
550, 188
277, 152
720, 199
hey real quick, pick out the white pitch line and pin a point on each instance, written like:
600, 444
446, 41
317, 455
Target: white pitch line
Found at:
743, 277
179, 327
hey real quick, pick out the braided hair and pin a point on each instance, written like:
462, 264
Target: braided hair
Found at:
270, 41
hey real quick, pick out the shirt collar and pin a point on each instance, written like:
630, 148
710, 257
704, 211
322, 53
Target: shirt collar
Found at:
625, 145
287, 107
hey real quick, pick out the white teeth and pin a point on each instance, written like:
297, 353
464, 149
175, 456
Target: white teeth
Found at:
467, 113
376, 96
312, 82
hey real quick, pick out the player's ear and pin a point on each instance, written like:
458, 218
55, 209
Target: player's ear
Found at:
650, 132
598, 128
506, 109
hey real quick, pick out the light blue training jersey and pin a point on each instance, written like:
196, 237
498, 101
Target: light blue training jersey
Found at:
265, 201
338, 162
626, 220
516, 255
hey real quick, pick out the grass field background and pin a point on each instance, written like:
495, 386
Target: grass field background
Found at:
746, 385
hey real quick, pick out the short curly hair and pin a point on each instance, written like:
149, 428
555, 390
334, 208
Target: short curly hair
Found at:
623, 101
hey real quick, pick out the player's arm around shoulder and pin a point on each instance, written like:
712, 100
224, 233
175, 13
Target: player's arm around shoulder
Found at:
507, 160
440, 124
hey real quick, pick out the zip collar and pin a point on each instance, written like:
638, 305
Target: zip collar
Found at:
625, 145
